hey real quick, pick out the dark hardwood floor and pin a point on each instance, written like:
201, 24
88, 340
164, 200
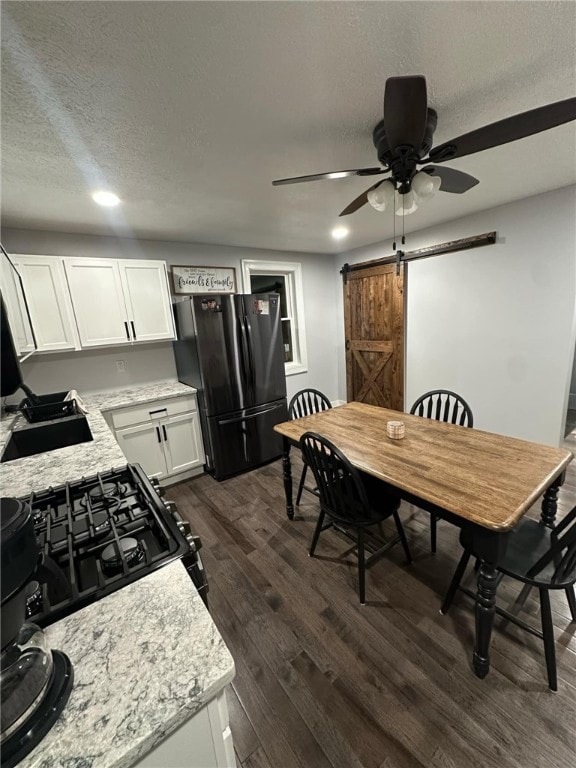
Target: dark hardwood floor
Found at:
322, 681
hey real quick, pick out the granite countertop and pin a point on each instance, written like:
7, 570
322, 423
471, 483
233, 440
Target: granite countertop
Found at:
34, 473
143, 664
146, 657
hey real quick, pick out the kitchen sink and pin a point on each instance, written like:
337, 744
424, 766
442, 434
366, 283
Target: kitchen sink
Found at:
30, 439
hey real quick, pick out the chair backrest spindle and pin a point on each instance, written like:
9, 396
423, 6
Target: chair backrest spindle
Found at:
443, 405
306, 402
342, 493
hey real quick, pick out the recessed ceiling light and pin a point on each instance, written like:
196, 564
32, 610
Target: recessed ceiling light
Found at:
339, 233
108, 199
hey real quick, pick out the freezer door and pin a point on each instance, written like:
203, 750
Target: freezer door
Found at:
244, 440
221, 343
264, 347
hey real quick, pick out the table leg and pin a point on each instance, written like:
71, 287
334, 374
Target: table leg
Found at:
550, 503
287, 473
485, 612
490, 547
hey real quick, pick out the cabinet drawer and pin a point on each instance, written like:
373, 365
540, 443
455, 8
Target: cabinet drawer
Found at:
159, 409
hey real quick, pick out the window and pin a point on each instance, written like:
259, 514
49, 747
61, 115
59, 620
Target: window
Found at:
285, 279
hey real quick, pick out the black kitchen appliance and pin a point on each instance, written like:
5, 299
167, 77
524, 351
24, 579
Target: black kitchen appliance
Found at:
102, 533
33, 407
230, 349
10, 375
35, 681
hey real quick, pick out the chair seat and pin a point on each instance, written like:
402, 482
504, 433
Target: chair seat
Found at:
383, 502
380, 494
528, 542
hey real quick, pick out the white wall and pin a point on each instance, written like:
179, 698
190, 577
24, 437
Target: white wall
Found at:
154, 362
572, 397
497, 323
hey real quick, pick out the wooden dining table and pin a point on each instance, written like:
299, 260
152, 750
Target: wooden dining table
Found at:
477, 480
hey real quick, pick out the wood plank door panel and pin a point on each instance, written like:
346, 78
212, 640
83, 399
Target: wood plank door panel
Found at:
374, 327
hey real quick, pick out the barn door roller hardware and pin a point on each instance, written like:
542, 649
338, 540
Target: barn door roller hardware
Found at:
464, 244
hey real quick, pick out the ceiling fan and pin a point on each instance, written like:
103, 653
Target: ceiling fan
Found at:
403, 141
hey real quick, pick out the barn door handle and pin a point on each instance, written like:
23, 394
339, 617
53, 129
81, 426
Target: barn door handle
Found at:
347, 343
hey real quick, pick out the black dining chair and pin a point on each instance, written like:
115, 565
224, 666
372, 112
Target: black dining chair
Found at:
539, 557
351, 500
305, 403
442, 405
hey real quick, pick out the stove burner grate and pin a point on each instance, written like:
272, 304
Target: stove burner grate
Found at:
101, 541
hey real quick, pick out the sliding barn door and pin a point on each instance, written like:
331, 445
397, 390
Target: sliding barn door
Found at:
374, 327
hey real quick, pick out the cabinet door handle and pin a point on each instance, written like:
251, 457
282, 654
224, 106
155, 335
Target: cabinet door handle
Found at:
127, 331
158, 434
164, 431
133, 329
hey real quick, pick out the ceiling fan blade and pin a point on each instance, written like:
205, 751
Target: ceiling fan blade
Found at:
331, 175
405, 110
452, 180
359, 201
510, 129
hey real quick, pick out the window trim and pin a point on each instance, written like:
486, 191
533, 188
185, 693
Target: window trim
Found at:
292, 272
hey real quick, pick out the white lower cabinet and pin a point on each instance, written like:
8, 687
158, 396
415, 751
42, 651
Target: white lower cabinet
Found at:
183, 446
142, 445
164, 437
203, 741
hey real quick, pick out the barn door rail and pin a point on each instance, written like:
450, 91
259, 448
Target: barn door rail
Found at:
464, 244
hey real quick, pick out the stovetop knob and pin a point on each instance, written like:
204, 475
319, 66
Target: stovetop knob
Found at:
183, 527
194, 541
157, 487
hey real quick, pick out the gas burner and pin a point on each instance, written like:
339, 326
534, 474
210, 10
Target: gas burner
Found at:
107, 494
131, 550
105, 490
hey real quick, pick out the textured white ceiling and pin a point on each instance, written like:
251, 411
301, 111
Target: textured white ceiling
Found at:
188, 110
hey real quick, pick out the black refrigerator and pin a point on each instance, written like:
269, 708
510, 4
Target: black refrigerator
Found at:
230, 348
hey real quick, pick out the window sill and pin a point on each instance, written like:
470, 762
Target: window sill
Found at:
291, 369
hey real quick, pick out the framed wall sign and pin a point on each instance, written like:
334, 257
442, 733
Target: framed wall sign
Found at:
203, 279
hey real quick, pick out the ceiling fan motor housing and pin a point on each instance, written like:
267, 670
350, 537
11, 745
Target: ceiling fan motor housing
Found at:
403, 160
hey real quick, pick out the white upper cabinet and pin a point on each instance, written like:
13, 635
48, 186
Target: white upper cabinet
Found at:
98, 301
147, 298
48, 301
16, 310
120, 301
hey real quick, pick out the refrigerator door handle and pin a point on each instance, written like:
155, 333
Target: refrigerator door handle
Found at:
238, 419
246, 368
248, 334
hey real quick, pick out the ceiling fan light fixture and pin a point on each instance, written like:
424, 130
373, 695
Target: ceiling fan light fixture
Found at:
382, 197
425, 186
407, 203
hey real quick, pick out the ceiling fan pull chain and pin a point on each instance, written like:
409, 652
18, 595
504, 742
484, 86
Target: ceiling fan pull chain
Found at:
394, 221
403, 238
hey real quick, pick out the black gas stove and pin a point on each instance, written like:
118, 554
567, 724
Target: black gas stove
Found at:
99, 534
